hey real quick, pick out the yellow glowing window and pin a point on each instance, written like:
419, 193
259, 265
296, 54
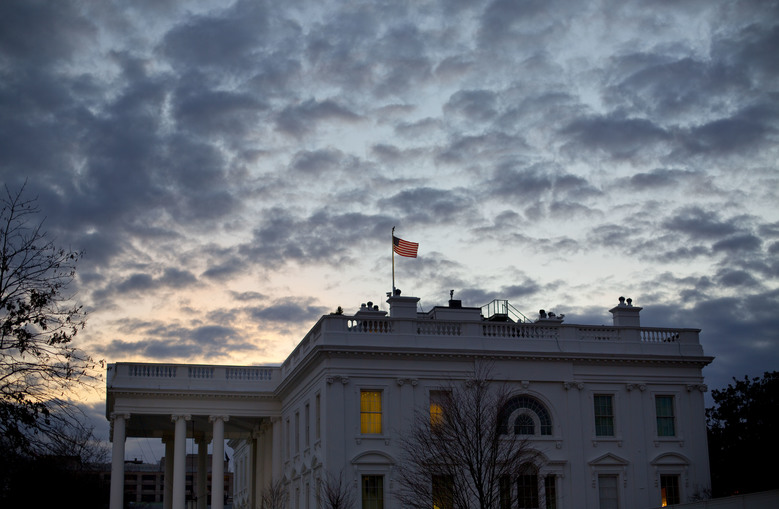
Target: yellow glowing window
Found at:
437, 401
370, 412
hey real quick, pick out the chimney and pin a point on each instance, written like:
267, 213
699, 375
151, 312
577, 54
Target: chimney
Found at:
625, 314
402, 307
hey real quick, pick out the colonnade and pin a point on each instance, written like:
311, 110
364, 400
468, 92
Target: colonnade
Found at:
175, 471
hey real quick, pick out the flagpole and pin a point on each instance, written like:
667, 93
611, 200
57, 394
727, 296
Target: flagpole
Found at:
392, 244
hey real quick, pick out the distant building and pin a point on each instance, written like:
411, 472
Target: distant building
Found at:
615, 412
144, 483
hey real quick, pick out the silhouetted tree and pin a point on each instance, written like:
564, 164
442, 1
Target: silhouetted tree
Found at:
460, 453
273, 496
743, 443
335, 492
39, 368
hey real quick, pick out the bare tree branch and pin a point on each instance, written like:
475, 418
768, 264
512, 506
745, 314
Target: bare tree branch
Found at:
39, 368
462, 457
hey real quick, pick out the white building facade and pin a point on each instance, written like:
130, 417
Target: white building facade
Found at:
614, 413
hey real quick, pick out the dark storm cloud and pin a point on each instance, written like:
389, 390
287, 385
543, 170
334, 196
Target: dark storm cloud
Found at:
283, 236
229, 40
474, 105
215, 112
700, 224
505, 21
38, 33
469, 149
429, 205
618, 136
289, 310
170, 279
660, 178
303, 118
317, 161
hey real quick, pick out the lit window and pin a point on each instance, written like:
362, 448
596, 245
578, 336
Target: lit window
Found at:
372, 492
608, 496
443, 492
370, 412
669, 490
666, 425
437, 404
604, 415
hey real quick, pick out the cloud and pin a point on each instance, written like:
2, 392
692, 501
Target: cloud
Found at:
300, 119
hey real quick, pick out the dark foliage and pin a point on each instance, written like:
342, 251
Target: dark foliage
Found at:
39, 368
743, 444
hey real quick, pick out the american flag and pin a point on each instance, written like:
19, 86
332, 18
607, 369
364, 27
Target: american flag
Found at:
404, 247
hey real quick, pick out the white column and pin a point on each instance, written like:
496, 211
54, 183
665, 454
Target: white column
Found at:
276, 438
180, 461
117, 461
218, 461
167, 495
202, 473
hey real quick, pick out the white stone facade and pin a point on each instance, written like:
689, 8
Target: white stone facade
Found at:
616, 412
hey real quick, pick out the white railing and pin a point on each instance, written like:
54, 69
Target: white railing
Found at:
598, 334
200, 372
250, 374
519, 330
660, 336
372, 325
435, 328
153, 370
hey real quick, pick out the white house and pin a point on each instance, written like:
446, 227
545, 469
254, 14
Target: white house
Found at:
616, 413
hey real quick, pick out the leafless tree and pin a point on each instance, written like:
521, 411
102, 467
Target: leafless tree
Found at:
335, 492
273, 496
459, 454
39, 368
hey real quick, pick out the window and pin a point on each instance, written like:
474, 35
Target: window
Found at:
308, 425
505, 492
524, 425
669, 490
666, 425
372, 492
604, 415
532, 406
443, 492
318, 412
550, 491
370, 412
608, 496
287, 439
527, 488
437, 405
297, 432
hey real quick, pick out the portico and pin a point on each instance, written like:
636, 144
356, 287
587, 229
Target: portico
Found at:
206, 403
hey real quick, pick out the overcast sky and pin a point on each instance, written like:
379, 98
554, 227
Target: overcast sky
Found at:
232, 171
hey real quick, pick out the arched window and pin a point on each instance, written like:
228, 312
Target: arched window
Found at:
524, 425
518, 410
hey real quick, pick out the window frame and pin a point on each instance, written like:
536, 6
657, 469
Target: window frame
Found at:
610, 418
617, 499
367, 417
661, 430
677, 487
379, 502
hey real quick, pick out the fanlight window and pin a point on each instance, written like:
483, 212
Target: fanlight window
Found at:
524, 423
